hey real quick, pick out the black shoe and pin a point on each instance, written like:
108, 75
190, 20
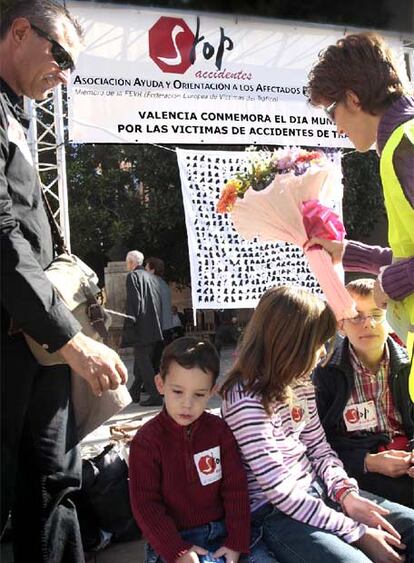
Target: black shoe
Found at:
152, 402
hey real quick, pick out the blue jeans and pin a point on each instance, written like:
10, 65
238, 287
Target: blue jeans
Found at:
40, 463
209, 536
292, 541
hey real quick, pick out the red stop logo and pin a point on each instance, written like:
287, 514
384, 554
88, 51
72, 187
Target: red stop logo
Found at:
297, 414
207, 464
352, 415
170, 43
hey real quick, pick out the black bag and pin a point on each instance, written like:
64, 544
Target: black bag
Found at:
103, 502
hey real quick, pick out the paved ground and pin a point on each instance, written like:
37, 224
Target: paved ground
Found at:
131, 552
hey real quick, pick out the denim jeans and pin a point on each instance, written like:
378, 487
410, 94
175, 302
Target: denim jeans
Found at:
292, 541
40, 462
209, 536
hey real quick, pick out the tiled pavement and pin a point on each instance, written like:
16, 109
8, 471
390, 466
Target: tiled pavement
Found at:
131, 552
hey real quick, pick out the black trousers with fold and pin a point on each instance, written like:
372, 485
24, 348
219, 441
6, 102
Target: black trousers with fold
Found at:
40, 462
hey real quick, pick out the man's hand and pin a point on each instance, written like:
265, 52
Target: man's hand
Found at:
192, 555
229, 555
101, 366
392, 463
378, 546
333, 247
367, 512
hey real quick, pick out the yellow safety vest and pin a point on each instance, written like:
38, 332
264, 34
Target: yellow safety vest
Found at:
400, 236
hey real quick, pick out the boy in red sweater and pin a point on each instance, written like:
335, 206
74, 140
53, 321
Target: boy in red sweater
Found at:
188, 487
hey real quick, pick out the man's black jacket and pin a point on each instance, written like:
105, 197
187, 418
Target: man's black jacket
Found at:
334, 384
144, 304
26, 246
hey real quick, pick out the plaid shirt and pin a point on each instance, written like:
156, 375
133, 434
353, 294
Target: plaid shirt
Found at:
371, 386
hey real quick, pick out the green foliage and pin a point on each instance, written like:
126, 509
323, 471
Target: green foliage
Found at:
363, 202
124, 197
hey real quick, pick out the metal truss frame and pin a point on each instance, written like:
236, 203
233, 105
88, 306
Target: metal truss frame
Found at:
46, 140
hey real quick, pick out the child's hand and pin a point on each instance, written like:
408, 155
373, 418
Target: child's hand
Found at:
378, 546
410, 471
229, 555
367, 512
392, 463
192, 555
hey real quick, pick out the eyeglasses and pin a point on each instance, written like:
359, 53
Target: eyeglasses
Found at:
330, 111
376, 318
59, 53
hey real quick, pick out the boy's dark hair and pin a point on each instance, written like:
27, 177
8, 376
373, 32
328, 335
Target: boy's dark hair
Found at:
157, 265
43, 13
363, 287
361, 63
190, 352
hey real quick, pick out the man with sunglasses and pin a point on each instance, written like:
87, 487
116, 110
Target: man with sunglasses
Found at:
40, 462
363, 403
358, 84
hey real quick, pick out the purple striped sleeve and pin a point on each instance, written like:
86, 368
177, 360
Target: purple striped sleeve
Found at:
324, 460
277, 463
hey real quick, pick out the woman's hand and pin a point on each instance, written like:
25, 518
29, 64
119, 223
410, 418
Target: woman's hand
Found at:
367, 512
380, 297
378, 546
335, 248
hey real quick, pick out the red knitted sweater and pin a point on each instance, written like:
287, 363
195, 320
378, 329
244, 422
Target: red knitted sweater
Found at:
168, 464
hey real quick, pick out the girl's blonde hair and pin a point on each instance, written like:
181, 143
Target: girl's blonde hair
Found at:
280, 343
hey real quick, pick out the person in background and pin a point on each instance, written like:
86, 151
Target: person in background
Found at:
178, 321
156, 267
188, 487
40, 463
227, 329
363, 402
358, 84
144, 304
304, 506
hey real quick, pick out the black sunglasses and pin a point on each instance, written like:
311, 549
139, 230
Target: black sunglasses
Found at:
61, 56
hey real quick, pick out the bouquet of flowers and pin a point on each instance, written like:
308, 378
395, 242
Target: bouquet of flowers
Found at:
281, 197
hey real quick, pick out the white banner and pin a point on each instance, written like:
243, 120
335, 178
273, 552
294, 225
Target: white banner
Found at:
152, 76
227, 271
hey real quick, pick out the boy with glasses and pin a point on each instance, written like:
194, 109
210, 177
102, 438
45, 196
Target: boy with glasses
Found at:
363, 402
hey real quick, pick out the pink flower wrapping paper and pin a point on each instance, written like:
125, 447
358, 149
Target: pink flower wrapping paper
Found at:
279, 211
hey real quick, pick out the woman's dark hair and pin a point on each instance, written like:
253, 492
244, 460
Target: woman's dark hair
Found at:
361, 63
157, 265
190, 352
280, 343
